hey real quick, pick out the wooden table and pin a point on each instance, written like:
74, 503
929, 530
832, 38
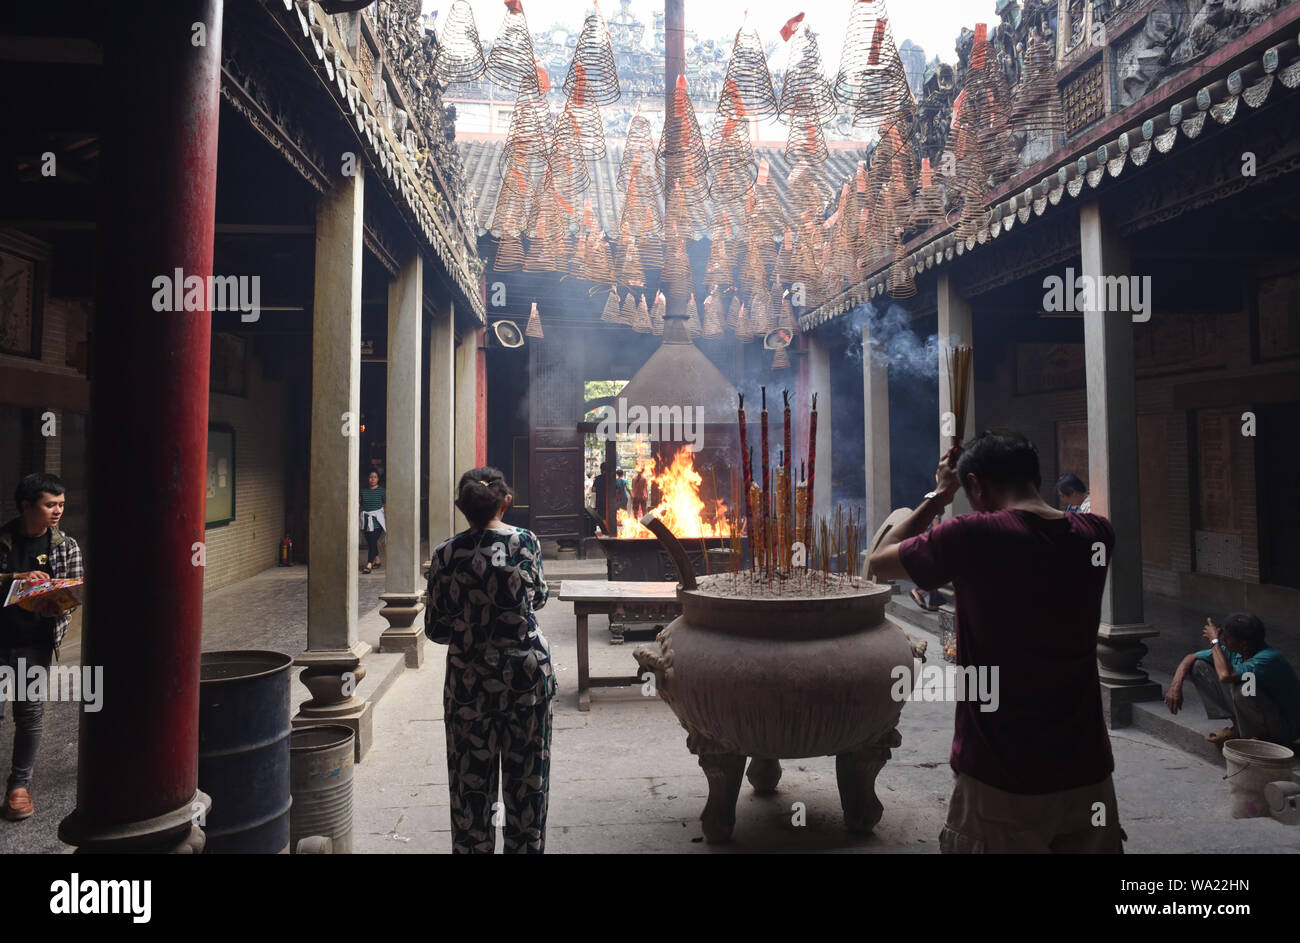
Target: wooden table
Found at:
605, 598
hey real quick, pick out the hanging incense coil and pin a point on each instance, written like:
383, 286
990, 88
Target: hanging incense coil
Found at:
627, 314
927, 201
642, 323
988, 101
747, 71
534, 328
733, 312
460, 52
806, 141
510, 253
781, 360
630, 272
567, 166
529, 137
593, 64
657, 311
901, 281
514, 198
511, 64
971, 180
1036, 105
871, 80
694, 327
805, 93
546, 249
610, 313
744, 327
682, 154
584, 125
718, 267
713, 316
638, 153
598, 262
676, 272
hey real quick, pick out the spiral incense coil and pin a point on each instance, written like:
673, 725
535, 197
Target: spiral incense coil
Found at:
657, 313
806, 141
719, 264
971, 180
744, 328
747, 71
529, 137
534, 328
805, 93
713, 314
784, 256
546, 249
642, 324
682, 153
598, 262
460, 52
1036, 105
871, 81
785, 319
630, 272
510, 254
694, 326
627, 314
511, 212
927, 201
901, 281
676, 272
762, 313
610, 312
584, 124
566, 165
638, 152
988, 100
733, 312
576, 253
511, 64
592, 70
781, 359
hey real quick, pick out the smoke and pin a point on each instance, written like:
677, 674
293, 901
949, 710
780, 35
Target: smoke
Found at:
893, 342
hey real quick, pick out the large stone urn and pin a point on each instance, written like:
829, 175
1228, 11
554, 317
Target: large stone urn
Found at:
772, 676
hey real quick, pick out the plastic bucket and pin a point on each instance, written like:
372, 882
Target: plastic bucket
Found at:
1252, 765
244, 750
321, 761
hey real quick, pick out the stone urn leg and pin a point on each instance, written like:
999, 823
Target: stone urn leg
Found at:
724, 771
763, 775
855, 773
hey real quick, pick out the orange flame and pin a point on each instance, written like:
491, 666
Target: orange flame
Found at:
680, 506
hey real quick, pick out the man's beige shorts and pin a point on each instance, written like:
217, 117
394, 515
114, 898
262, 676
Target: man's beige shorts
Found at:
984, 819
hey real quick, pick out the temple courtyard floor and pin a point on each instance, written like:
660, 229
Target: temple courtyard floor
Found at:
622, 780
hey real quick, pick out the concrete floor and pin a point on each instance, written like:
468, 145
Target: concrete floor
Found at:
622, 779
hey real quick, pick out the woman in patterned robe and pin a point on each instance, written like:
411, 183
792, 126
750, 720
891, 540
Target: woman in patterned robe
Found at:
484, 586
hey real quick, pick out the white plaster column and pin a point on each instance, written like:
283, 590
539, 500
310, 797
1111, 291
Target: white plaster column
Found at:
442, 427
334, 653
466, 410
403, 589
955, 328
1113, 472
875, 417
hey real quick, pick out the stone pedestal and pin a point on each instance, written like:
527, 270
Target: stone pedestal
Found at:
405, 632
333, 677
174, 832
1123, 682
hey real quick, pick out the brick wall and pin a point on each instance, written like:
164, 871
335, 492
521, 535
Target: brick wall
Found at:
250, 543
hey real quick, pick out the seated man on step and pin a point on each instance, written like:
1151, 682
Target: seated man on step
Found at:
1239, 677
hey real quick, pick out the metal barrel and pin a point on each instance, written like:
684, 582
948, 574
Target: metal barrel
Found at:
322, 763
244, 750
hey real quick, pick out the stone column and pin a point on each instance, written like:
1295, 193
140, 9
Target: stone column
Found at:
955, 328
442, 427
819, 382
404, 588
875, 412
1113, 474
333, 656
466, 440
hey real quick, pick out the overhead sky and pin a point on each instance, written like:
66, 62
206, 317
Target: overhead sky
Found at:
931, 24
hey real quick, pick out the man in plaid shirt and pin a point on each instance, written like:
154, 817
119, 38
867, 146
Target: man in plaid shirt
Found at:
32, 549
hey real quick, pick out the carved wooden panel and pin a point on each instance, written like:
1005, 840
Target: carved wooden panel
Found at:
1216, 497
1279, 317
1084, 99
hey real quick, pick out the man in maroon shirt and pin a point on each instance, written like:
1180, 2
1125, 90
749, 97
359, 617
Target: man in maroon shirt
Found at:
1035, 773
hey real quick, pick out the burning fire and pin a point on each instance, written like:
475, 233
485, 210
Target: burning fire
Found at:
680, 507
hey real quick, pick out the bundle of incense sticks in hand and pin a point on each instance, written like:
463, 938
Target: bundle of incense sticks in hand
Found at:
960, 362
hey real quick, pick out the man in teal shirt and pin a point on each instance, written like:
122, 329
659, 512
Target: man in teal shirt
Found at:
1241, 678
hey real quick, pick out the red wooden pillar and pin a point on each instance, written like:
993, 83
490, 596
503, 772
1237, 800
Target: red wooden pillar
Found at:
138, 766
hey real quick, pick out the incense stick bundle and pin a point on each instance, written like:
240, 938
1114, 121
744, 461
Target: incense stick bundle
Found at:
960, 360
755, 501
812, 467
801, 513
788, 454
